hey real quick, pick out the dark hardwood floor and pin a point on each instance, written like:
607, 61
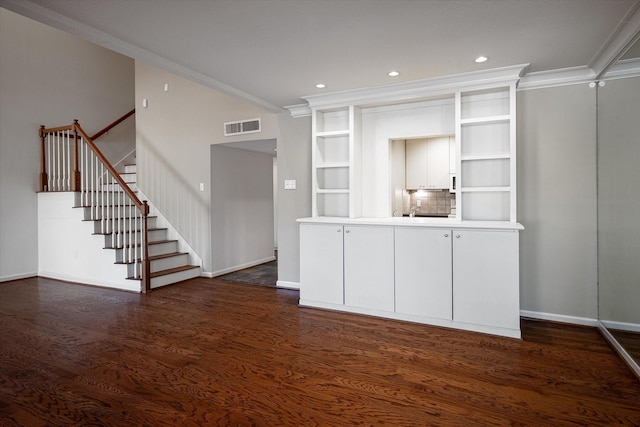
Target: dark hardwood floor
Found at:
209, 352
263, 274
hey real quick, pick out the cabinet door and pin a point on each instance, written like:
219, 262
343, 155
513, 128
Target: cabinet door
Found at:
486, 278
438, 163
416, 164
423, 272
368, 267
321, 263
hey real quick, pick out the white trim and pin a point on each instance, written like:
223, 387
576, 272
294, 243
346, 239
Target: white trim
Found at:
419, 89
299, 110
288, 285
125, 285
242, 266
18, 276
554, 78
622, 326
630, 361
623, 69
445, 323
560, 318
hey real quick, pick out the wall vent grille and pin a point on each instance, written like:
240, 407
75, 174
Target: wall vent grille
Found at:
245, 126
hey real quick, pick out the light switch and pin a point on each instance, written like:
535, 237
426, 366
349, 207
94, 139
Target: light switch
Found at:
289, 184
166, 87
202, 186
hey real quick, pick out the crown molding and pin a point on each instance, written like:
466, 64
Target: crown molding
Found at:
299, 110
553, 78
419, 89
623, 69
92, 35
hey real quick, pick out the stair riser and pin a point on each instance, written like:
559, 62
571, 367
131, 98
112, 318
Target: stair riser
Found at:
168, 279
116, 187
154, 235
109, 212
130, 169
154, 249
163, 264
107, 226
128, 176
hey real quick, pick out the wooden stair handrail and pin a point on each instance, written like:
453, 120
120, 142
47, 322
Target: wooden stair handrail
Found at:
144, 208
114, 124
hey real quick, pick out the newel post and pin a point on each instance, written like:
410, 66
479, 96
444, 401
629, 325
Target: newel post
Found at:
146, 263
75, 177
43, 164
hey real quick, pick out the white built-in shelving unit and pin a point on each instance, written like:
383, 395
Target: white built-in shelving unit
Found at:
335, 160
486, 153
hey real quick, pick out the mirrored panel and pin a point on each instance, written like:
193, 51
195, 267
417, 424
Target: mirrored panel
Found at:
619, 210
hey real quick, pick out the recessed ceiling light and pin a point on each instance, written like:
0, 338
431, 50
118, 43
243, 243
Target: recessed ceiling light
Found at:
393, 74
320, 86
481, 59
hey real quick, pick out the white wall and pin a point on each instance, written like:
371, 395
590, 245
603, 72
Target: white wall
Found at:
241, 208
557, 200
173, 138
294, 162
46, 77
619, 200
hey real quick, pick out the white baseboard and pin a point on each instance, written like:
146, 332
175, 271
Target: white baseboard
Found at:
561, 318
621, 326
288, 285
242, 266
129, 285
18, 276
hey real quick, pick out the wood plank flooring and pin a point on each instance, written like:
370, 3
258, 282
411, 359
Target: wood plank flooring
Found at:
208, 352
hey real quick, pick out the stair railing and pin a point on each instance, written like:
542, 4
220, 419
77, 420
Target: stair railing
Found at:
71, 161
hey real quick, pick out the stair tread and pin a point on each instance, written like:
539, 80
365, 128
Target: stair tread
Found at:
155, 257
154, 242
137, 230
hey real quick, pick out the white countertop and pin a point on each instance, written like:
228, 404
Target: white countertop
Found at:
416, 222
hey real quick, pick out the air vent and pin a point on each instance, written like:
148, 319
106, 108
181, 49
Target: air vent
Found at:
238, 128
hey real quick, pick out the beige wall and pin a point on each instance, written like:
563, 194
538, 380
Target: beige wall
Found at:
557, 200
46, 77
174, 134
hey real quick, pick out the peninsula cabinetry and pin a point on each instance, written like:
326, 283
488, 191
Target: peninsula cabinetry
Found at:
423, 272
321, 263
368, 267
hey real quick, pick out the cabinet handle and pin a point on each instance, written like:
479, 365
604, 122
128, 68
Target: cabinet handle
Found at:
457, 236
446, 235
347, 231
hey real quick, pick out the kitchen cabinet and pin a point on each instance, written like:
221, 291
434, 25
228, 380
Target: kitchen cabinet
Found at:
368, 267
427, 163
321, 263
423, 265
432, 271
485, 278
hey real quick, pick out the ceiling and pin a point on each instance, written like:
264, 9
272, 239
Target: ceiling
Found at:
273, 52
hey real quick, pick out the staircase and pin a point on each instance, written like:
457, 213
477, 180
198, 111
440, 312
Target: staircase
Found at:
110, 239
167, 264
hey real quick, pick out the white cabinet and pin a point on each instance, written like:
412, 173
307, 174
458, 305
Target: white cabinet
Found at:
423, 272
368, 267
485, 278
321, 263
427, 163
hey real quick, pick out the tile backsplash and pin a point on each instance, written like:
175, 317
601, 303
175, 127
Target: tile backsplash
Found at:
432, 202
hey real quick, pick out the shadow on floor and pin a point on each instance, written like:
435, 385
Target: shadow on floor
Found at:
264, 274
